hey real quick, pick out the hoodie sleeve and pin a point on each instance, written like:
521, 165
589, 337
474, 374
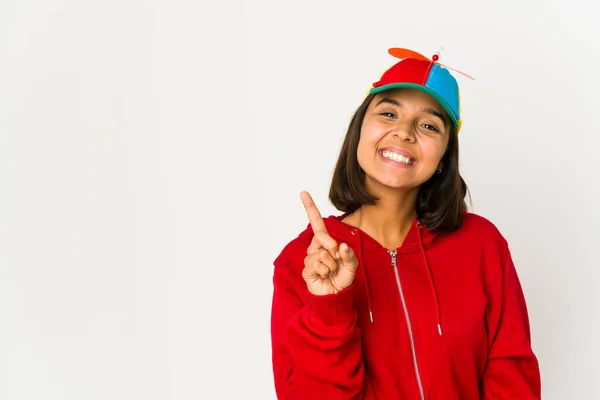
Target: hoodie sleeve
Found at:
512, 370
315, 341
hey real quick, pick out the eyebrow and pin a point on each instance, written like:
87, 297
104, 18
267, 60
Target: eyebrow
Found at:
436, 113
428, 110
390, 101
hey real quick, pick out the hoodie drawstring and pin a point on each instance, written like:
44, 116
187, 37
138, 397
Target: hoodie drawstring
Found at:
363, 272
368, 294
427, 267
431, 285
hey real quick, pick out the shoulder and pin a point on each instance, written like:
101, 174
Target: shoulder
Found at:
295, 247
480, 232
290, 260
476, 223
295, 250
484, 244
478, 246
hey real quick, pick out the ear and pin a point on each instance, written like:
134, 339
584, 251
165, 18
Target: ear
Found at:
439, 168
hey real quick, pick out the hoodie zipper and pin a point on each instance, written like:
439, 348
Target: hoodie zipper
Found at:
411, 338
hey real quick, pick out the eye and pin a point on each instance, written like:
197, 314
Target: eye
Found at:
388, 115
430, 127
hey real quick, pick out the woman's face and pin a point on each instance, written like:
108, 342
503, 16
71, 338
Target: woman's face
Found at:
403, 138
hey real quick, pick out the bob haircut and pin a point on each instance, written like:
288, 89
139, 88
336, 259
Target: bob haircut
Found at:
440, 202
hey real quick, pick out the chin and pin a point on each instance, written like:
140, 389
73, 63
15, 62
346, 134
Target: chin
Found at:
391, 183
400, 186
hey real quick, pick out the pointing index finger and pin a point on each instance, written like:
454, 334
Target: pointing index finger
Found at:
314, 216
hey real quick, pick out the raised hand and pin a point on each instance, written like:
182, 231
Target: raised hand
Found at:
328, 268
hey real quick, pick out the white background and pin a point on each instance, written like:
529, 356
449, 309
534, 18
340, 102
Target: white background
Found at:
152, 153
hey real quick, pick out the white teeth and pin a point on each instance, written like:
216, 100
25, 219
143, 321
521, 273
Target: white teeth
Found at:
396, 157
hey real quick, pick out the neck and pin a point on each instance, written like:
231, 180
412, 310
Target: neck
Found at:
389, 220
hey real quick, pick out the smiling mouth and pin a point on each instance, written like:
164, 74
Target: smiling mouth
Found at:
399, 158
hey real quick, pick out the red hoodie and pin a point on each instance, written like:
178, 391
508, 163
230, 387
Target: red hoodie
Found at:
442, 317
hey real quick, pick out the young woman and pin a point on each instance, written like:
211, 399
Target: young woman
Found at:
405, 295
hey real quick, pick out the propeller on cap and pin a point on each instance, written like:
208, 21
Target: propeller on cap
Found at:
407, 53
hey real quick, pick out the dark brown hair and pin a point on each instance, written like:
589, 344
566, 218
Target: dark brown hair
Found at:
441, 200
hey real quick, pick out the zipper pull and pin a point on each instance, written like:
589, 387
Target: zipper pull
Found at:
393, 254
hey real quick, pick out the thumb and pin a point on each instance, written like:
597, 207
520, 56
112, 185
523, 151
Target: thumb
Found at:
348, 257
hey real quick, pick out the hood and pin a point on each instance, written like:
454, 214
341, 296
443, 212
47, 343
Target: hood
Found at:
418, 236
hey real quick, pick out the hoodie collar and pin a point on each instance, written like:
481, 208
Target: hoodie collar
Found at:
347, 233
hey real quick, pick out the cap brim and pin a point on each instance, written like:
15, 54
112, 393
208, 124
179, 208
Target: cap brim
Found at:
422, 88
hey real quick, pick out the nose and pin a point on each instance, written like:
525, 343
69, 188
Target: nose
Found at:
404, 132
